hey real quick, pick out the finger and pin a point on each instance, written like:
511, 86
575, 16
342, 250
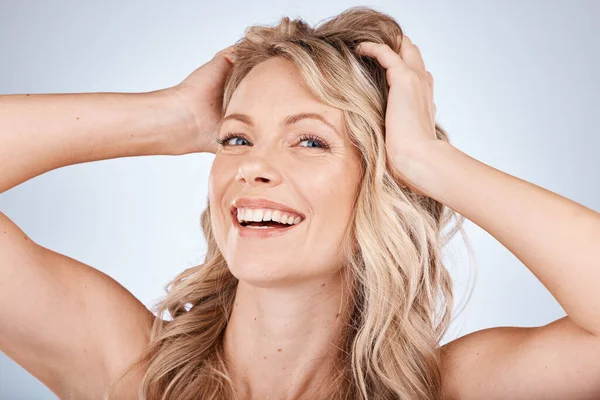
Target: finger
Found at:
385, 56
230, 57
228, 53
428, 76
411, 55
430, 80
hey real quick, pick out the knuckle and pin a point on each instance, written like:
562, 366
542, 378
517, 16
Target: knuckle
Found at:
404, 76
411, 77
390, 75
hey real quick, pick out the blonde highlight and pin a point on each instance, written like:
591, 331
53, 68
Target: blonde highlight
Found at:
399, 289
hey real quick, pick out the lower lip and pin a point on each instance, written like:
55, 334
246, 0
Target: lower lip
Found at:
259, 233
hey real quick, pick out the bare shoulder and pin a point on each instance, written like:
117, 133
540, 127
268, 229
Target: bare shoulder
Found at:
555, 361
70, 325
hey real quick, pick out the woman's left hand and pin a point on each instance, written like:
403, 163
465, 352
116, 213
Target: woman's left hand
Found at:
410, 114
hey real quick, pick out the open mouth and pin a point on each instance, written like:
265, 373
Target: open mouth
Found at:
265, 225
262, 226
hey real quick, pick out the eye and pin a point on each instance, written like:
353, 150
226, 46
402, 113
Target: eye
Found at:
314, 139
224, 141
304, 138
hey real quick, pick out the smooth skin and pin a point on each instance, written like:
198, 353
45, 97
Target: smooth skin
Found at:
42, 292
283, 332
68, 324
556, 238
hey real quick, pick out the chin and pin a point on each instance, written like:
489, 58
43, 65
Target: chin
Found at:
257, 272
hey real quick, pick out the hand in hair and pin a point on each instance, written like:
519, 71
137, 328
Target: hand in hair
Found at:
410, 113
201, 93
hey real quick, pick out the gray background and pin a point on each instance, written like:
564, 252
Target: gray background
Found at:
514, 86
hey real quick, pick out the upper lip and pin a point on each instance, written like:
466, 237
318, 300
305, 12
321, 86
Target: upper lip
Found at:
252, 202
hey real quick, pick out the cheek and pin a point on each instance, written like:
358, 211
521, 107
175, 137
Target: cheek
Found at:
216, 182
217, 185
331, 192
213, 189
333, 188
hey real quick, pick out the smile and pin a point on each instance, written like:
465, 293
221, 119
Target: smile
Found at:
263, 223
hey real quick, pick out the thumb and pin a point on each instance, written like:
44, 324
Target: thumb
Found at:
227, 53
221, 69
222, 63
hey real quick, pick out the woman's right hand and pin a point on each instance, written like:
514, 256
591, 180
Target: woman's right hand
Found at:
201, 95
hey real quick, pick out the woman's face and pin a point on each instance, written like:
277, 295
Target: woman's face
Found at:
270, 158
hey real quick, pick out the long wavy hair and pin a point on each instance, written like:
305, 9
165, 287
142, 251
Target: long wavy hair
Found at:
400, 291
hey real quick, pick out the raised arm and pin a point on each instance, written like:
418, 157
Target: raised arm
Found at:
555, 237
68, 324
41, 132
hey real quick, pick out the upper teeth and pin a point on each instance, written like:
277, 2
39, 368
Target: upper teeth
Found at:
266, 214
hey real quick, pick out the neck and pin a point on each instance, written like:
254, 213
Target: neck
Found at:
284, 343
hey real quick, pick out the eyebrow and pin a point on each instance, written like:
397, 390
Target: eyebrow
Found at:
289, 120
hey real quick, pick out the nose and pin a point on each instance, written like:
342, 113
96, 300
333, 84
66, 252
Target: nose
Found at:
255, 171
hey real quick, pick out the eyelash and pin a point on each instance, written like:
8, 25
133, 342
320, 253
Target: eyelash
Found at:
222, 141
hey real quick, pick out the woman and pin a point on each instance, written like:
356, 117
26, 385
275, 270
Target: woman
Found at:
328, 194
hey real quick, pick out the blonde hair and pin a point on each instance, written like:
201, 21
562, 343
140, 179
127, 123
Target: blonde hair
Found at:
400, 292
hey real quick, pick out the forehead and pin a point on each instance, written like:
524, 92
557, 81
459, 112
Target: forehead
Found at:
275, 89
